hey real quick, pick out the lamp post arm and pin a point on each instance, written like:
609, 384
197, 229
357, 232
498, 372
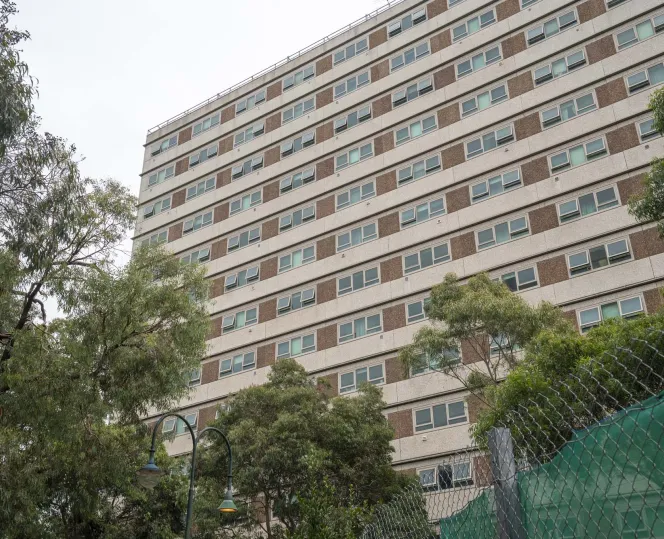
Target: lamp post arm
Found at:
230, 452
156, 428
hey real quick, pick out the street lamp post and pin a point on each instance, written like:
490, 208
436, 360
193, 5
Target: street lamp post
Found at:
150, 474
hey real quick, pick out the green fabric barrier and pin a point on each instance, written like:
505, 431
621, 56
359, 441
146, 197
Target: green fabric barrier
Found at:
476, 521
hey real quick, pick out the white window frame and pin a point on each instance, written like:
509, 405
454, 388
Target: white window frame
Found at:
164, 145
517, 276
348, 154
200, 187
456, 482
411, 216
366, 191
422, 314
299, 143
480, 25
513, 236
359, 80
366, 282
428, 165
599, 207
155, 208
656, 21
412, 91
357, 47
353, 321
252, 237
201, 220
356, 117
509, 181
229, 322
298, 110
248, 364
501, 136
305, 214
456, 351
302, 178
251, 274
583, 327
589, 155
299, 77
650, 132
410, 56
194, 378
306, 298
444, 256
541, 29
376, 380
254, 199
310, 349
250, 102
644, 82
620, 257
249, 134
492, 100
367, 236
417, 429
202, 256
396, 27
572, 61
168, 173
416, 125
552, 121
156, 238
458, 74
175, 421
204, 155
206, 124
291, 254
251, 165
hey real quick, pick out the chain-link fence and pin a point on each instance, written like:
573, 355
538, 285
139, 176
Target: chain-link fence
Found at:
582, 458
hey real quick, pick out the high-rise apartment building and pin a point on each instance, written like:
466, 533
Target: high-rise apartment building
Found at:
328, 194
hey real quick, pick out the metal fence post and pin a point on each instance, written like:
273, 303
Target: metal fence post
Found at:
503, 467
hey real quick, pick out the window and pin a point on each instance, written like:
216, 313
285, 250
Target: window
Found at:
247, 167
404, 23
161, 176
495, 185
297, 346
551, 27
298, 300
351, 50
613, 3
241, 278
559, 67
351, 381
451, 3
157, 207
198, 222
203, 155
568, 110
297, 217
298, 78
526, 3
412, 91
500, 345
351, 84
205, 125
426, 257
519, 280
356, 236
298, 110
194, 377
422, 212
649, 77
440, 415
489, 141
354, 156
598, 257
647, 129
587, 204
643, 30
479, 61
625, 308
416, 129
484, 100
360, 327
175, 424
155, 239
417, 310
250, 133
578, 155
475, 24
357, 281
240, 319
237, 363
297, 180
295, 145
164, 145
426, 364
244, 238
418, 170
200, 188
446, 476
297, 258
356, 194
250, 102
502, 232
409, 56
351, 120
245, 202
199, 256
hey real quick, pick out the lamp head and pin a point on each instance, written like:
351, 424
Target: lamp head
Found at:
228, 505
149, 475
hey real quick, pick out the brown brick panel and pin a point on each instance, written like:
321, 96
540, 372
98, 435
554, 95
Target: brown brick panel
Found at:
453, 156
600, 49
388, 225
265, 355
175, 232
386, 182
210, 372
272, 156
273, 122
394, 370
224, 178
274, 90
381, 106
226, 145
535, 171
506, 9
653, 299
217, 287
520, 84
218, 249
181, 166
270, 191
458, 199
206, 416
326, 291
622, 139
324, 97
215, 328
328, 385
267, 310
394, 317
482, 471
269, 268
527, 126
552, 271
184, 135
380, 70
449, 115
326, 337
221, 212
323, 65
471, 351
402, 423
384, 143
228, 114
463, 245
543, 219
325, 207
436, 8
590, 9
475, 406
514, 45
407, 472
444, 77
324, 132
326, 247
571, 316
646, 243
631, 186
441, 40
325, 168
270, 229
378, 37
179, 198
391, 269
611, 92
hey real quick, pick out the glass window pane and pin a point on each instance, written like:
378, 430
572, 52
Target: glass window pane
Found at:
440, 415
589, 316
423, 419
630, 306
484, 100
587, 204
347, 382
567, 110
598, 257
502, 232
577, 155
610, 310
656, 74
645, 29
361, 376
426, 258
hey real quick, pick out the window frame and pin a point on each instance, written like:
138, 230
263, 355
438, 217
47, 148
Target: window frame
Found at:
291, 253
154, 238
354, 387
511, 186
308, 72
414, 319
625, 256
152, 207
548, 124
649, 135
372, 282
430, 407
241, 200
170, 142
235, 315
290, 340
409, 127
413, 166
356, 319
204, 222
508, 222
415, 55
520, 287
197, 185
593, 192
260, 163
247, 100
476, 97
349, 232
198, 257
530, 42
583, 328
568, 67
202, 124
249, 134
458, 75
462, 482
247, 280
293, 108
311, 216
306, 139
344, 50
360, 186
648, 83
423, 17
419, 251
304, 304
343, 127
359, 148
633, 27
479, 28
169, 172
211, 152
250, 240
232, 372
481, 138
415, 220
358, 84
407, 98
554, 171
304, 180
